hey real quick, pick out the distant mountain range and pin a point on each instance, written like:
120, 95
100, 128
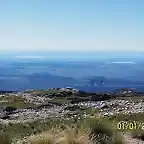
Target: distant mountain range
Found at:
97, 75
35, 81
46, 80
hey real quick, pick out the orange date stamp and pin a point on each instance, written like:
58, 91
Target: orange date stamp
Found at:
133, 125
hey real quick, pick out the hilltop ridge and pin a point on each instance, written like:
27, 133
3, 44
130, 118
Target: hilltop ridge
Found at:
59, 102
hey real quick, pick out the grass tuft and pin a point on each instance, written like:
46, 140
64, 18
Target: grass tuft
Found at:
104, 133
58, 136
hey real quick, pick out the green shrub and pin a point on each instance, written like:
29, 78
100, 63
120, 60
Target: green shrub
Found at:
104, 133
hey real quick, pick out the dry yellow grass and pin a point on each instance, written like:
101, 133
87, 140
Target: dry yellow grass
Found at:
68, 136
98, 133
5, 139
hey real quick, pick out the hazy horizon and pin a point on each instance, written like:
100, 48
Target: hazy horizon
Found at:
128, 57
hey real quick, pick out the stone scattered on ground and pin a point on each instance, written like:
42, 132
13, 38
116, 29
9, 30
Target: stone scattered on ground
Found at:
45, 108
43, 105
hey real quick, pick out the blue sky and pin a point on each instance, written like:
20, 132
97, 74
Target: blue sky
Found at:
72, 25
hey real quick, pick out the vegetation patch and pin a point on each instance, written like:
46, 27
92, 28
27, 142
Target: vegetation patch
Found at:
15, 101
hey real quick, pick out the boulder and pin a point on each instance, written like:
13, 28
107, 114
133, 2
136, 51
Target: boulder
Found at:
10, 109
55, 103
100, 97
4, 116
79, 99
82, 94
45, 106
105, 106
73, 108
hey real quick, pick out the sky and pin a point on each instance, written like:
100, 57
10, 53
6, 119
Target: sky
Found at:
72, 25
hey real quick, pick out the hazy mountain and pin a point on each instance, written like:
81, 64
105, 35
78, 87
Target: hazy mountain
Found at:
99, 74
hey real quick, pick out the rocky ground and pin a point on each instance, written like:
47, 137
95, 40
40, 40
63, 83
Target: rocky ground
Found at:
65, 104
45, 107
